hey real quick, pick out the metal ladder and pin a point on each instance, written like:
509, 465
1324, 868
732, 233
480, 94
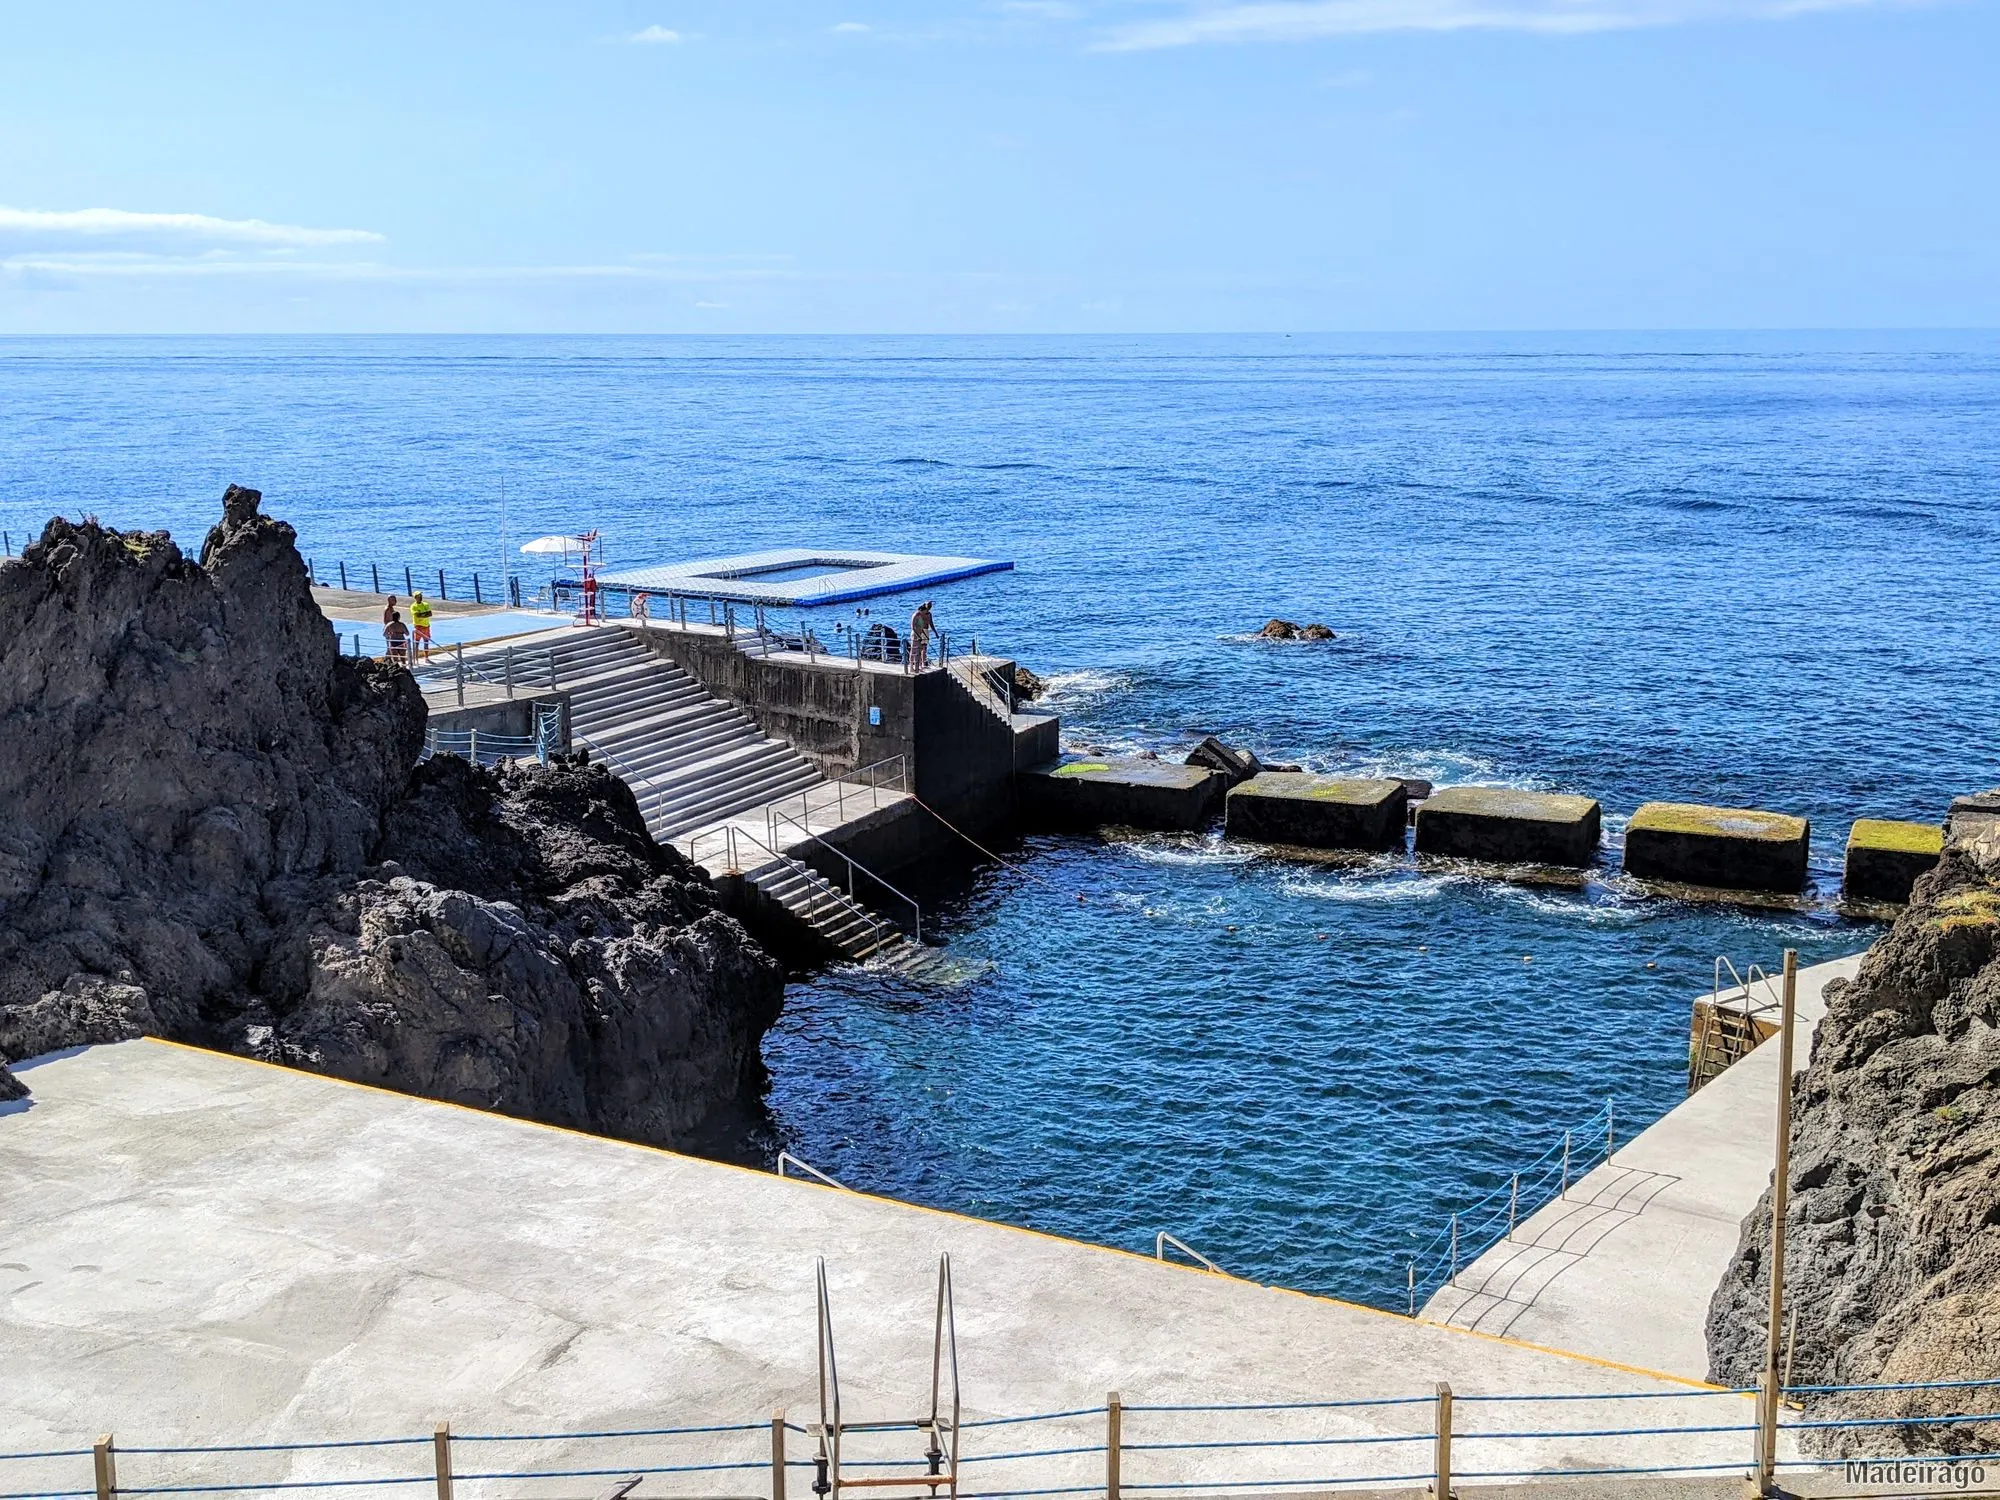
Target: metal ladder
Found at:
940, 1427
1725, 1037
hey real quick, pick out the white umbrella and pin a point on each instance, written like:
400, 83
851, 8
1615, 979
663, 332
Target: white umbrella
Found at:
563, 544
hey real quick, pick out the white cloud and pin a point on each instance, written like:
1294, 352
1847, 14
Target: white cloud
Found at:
117, 225
1047, 10
654, 35
1301, 20
848, 28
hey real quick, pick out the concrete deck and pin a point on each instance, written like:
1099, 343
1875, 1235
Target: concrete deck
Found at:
196, 1248
1624, 1266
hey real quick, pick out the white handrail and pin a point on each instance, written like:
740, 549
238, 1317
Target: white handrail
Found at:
1163, 1239
808, 1168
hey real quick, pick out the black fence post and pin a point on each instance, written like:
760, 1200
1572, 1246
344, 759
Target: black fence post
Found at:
10, 541
375, 577
408, 587
514, 589
343, 578
441, 593
475, 590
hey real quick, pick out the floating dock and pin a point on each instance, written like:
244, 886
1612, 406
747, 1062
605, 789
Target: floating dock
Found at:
797, 575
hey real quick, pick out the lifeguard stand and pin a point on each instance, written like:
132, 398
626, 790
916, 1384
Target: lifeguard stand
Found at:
939, 1428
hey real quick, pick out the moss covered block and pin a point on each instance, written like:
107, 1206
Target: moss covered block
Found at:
1082, 792
1884, 859
1509, 826
1318, 812
1729, 848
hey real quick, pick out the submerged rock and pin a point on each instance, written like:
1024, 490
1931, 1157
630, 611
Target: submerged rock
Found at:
1893, 1231
222, 835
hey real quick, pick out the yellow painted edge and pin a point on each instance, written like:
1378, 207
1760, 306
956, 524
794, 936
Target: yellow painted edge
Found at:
943, 1213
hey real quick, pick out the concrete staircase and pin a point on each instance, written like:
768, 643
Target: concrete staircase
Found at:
691, 758
695, 761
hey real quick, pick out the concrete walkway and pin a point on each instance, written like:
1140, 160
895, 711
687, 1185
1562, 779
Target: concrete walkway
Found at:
1623, 1267
196, 1248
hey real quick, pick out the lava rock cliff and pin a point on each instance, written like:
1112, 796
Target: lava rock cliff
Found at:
218, 831
1893, 1230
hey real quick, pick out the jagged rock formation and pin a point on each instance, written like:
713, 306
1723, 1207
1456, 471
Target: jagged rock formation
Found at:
220, 833
1893, 1231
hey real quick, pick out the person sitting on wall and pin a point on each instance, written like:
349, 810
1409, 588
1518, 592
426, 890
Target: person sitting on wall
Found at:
921, 625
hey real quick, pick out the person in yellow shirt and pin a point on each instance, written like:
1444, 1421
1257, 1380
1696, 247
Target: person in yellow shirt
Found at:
420, 617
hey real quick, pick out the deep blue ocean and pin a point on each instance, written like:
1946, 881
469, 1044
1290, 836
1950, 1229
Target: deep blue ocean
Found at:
1748, 569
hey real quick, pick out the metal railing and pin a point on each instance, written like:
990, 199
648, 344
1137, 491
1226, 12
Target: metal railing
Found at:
817, 900
1294, 1446
506, 667
483, 747
1725, 1037
1162, 1240
1489, 1220
864, 784
776, 817
785, 1159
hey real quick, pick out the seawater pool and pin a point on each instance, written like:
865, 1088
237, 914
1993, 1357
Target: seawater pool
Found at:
1744, 568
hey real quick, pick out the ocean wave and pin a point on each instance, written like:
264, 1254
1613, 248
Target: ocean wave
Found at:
1164, 849
1375, 883
1073, 689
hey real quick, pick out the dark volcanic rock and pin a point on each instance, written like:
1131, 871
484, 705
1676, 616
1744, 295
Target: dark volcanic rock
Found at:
223, 837
1028, 686
1893, 1233
1234, 766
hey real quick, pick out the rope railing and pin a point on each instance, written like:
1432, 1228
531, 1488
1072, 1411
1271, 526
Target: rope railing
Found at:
1184, 1436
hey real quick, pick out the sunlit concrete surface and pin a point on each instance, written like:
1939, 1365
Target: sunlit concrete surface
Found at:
1624, 1265
197, 1248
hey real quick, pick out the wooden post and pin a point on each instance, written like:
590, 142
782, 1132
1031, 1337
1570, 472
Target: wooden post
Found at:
778, 1454
1770, 1387
1441, 1485
104, 1458
1114, 1443
441, 1446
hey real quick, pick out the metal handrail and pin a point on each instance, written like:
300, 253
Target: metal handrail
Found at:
1163, 1239
819, 890
1700, 1054
808, 1168
773, 816
874, 786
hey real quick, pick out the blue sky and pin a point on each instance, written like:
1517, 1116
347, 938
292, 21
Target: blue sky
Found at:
1031, 165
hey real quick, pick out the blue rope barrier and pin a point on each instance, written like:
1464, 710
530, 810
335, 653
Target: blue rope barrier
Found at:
1990, 1416
269, 1484
1293, 1405
1326, 1442
1616, 1395
1046, 1416
994, 1458
1581, 1473
560, 1437
1072, 1489
605, 1473
1919, 1385
48, 1494
1464, 1437
1265, 1484
51, 1453
422, 1442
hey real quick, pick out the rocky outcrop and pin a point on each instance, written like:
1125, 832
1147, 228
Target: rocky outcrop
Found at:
1286, 630
1233, 766
1028, 686
1893, 1230
223, 836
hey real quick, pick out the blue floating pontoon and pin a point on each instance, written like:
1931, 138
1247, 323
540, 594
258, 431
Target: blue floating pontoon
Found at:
795, 575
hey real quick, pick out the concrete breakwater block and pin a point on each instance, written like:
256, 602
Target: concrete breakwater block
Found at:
1078, 792
1729, 848
1509, 826
1884, 859
1318, 812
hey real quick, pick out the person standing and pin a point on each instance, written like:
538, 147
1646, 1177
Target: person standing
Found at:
921, 625
420, 616
397, 635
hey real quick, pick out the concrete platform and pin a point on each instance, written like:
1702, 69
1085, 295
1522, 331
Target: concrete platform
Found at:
1318, 812
1624, 1266
1506, 825
1725, 848
1078, 792
1885, 859
199, 1249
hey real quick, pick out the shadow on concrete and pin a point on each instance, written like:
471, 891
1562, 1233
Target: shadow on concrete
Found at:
1505, 1282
